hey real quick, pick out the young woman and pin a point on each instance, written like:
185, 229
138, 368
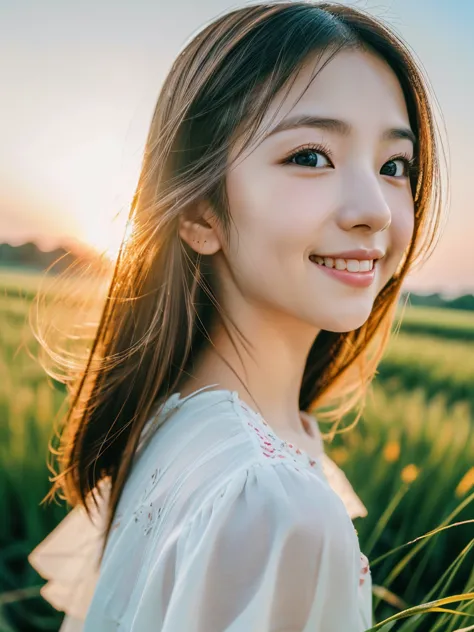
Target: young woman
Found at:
290, 180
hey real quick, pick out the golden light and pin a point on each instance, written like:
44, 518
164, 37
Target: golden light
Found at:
105, 234
94, 189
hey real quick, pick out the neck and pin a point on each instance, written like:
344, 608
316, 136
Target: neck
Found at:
276, 397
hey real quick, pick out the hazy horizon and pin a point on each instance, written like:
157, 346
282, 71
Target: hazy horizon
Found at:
83, 81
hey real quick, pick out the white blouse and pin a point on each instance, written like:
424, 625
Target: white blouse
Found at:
221, 527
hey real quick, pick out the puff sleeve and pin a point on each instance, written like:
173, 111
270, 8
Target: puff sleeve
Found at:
272, 550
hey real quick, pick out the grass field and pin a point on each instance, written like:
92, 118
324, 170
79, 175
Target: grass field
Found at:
411, 460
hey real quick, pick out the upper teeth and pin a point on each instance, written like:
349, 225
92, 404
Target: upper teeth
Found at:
352, 265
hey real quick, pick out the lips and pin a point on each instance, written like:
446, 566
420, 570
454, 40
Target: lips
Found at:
355, 279
351, 265
357, 253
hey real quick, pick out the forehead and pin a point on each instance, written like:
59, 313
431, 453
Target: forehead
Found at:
357, 86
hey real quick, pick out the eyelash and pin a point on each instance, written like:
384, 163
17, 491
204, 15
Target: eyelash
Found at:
410, 163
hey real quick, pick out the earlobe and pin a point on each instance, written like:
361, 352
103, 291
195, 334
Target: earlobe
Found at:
199, 232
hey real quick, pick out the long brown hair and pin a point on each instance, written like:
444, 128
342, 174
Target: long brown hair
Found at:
161, 299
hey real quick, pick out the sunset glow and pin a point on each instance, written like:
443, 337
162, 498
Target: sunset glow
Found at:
74, 128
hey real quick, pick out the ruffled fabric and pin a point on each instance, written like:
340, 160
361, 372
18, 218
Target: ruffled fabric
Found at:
271, 547
68, 557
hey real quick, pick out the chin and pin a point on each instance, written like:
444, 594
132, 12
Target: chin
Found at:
342, 323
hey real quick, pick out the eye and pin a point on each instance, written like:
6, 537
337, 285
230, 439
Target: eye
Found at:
307, 156
407, 162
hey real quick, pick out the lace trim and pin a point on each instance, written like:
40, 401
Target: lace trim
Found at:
272, 446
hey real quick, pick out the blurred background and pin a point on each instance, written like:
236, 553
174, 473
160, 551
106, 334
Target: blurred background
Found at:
79, 84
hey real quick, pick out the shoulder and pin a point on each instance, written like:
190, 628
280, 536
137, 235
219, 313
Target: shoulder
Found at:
279, 513
213, 448
284, 492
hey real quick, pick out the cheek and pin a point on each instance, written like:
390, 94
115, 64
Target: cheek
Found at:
272, 212
304, 203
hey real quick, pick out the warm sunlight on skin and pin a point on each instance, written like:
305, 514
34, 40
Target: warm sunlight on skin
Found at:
350, 191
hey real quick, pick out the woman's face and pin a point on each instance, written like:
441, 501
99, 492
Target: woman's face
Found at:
354, 194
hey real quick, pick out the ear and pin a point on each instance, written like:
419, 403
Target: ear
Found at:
198, 228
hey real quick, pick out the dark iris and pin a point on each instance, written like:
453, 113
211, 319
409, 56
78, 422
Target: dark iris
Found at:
394, 170
306, 156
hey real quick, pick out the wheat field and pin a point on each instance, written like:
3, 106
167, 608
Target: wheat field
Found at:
410, 459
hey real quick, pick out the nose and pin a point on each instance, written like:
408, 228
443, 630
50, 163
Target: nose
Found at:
365, 206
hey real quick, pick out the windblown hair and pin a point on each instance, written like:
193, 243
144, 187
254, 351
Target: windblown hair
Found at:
162, 296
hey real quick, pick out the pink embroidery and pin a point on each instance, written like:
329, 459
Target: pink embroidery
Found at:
364, 562
275, 448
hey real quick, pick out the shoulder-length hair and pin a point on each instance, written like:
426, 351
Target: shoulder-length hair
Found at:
161, 299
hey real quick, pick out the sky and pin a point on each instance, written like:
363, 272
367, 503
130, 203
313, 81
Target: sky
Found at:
80, 81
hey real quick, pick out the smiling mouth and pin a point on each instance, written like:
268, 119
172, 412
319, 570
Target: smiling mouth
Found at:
349, 265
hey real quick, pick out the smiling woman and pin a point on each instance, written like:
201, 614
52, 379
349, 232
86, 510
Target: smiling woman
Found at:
290, 180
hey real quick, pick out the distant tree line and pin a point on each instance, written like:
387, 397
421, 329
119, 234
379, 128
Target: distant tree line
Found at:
465, 301
30, 256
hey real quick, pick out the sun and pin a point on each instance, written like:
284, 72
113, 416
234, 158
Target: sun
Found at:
105, 235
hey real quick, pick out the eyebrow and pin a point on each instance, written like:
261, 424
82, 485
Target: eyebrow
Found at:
337, 126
